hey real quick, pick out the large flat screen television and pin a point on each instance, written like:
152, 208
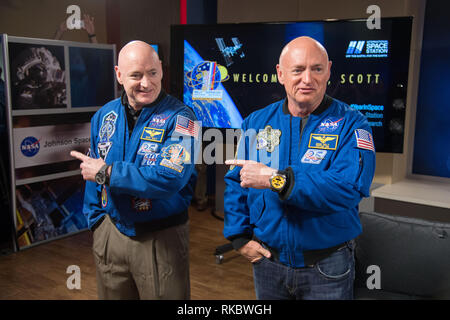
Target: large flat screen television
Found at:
226, 71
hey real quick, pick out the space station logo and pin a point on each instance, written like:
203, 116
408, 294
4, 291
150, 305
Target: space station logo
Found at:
373, 49
205, 78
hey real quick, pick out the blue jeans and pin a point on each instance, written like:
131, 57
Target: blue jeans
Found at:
329, 279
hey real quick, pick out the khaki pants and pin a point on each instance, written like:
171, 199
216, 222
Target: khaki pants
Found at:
154, 266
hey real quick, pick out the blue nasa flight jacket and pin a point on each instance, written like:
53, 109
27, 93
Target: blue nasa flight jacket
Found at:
153, 174
331, 167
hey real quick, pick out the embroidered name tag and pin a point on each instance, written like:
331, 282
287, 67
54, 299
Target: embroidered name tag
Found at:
152, 134
323, 141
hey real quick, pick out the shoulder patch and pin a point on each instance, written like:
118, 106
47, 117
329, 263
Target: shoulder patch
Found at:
187, 126
364, 140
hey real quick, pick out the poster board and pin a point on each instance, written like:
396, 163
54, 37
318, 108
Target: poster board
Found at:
52, 90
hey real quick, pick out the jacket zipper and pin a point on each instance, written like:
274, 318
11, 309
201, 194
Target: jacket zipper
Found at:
284, 208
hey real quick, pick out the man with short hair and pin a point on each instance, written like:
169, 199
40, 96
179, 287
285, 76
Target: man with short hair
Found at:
292, 193
140, 177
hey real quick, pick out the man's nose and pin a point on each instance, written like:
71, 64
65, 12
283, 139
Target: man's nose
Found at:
306, 76
144, 82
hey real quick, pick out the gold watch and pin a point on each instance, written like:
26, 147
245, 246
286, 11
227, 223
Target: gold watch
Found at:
277, 181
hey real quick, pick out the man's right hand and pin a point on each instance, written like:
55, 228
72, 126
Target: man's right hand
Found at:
254, 251
89, 166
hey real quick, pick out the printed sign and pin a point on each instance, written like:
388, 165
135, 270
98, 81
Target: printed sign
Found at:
49, 144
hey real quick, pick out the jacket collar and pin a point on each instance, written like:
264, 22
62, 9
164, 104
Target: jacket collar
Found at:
326, 102
124, 99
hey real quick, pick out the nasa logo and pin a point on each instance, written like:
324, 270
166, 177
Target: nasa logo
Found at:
158, 121
30, 146
329, 125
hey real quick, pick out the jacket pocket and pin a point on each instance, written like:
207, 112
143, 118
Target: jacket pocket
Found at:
337, 266
101, 240
182, 232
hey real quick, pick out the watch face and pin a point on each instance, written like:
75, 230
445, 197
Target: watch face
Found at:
278, 182
100, 178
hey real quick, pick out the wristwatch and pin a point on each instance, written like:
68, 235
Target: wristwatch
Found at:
278, 181
102, 176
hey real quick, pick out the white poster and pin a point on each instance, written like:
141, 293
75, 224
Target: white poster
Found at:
49, 144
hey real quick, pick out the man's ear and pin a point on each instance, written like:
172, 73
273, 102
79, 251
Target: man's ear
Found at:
280, 74
329, 70
118, 74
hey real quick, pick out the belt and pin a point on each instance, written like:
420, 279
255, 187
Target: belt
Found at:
311, 257
142, 228
98, 222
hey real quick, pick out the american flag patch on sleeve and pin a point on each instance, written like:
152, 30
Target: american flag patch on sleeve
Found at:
364, 140
187, 127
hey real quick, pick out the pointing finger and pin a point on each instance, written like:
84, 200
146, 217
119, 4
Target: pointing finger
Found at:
79, 155
239, 163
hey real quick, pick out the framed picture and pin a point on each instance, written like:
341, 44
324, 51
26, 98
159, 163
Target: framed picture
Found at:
38, 76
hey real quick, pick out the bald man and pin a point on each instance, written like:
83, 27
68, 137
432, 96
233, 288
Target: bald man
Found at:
292, 192
139, 183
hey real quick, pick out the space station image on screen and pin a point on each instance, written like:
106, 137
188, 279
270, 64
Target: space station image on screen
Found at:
229, 70
38, 76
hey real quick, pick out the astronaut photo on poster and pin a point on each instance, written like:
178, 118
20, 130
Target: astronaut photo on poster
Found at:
37, 76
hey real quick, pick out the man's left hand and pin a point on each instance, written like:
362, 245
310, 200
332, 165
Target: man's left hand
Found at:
89, 166
253, 174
